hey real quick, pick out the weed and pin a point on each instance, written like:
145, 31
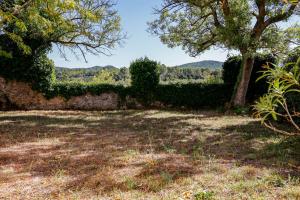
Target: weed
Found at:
204, 195
130, 183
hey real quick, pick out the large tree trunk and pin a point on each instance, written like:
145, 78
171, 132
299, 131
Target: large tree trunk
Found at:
239, 98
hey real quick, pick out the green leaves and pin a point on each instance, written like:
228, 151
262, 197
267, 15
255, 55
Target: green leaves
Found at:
144, 78
242, 25
283, 81
86, 25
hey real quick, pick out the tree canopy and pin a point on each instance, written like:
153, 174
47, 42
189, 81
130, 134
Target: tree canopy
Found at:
86, 25
234, 24
243, 25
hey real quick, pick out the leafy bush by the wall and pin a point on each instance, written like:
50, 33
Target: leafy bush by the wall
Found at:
35, 68
144, 78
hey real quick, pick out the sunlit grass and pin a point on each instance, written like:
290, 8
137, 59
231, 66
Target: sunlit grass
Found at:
144, 155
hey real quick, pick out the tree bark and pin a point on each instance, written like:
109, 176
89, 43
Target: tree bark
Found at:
239, 98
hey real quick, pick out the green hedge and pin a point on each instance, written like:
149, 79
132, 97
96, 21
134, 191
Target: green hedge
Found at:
68, 90
194, 96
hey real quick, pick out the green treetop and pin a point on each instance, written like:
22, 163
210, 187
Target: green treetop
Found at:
243, 25
86, 25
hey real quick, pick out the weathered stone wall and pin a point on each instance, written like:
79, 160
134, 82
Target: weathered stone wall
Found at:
23, 97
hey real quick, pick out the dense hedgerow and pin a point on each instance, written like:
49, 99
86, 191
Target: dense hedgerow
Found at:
231, 70
175, 95
68, 90
194, 95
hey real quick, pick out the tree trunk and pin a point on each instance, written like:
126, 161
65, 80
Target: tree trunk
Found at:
239, 98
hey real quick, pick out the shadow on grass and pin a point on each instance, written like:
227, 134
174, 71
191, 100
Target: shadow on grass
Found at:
141, 150
253, 144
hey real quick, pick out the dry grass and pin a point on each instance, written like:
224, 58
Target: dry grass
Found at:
144, 155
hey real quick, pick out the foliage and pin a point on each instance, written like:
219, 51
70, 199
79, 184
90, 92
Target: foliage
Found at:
188, 74
43, 73
204, 195
293, 56
35, 68
29, 28
105, 77
239, 25
231, 70
245, 26
87, 25
113, 76
80, 74
73, 89
121, 76
144, 77
277, 104
194, 95
292, 35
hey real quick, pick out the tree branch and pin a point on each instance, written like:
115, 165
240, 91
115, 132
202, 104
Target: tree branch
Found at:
281, 16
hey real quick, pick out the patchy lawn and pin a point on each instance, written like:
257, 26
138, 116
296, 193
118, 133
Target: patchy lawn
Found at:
144, 155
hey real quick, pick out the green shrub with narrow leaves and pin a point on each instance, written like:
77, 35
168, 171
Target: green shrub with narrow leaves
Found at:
282, 101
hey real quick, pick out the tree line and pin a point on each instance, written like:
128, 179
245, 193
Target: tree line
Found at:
121, 76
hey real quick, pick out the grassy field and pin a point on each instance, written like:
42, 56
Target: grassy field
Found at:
144, 155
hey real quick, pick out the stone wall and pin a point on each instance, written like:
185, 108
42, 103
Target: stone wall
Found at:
21, 96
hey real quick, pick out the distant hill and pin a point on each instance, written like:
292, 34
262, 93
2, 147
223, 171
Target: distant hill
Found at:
212, 64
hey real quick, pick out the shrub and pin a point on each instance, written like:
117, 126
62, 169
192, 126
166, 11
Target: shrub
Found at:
35, 68
144, 78
283, 82
42, 73
231, 70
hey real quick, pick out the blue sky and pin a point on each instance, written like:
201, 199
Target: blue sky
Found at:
135, 15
